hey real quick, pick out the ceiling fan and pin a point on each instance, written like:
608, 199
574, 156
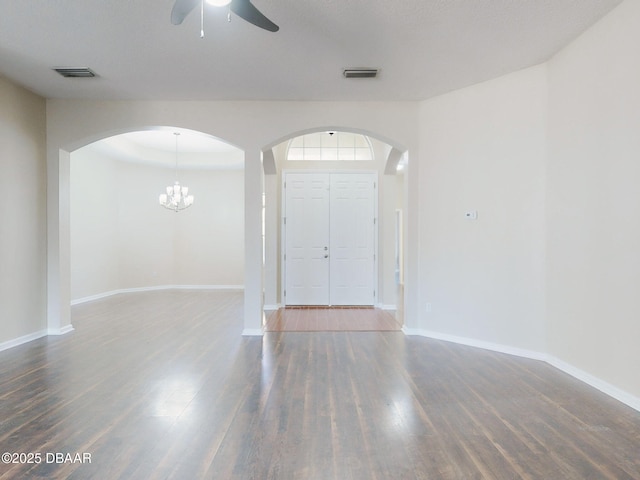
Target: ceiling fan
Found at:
243, 8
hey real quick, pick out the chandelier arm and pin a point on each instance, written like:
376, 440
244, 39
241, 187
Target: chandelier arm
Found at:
177, 197
202, 19
177, 134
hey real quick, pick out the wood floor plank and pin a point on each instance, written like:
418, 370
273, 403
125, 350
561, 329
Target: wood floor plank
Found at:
161, 385
331, 319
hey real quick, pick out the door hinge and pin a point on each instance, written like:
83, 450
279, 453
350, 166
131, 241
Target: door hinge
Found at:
285, 220
285, 293
374, 221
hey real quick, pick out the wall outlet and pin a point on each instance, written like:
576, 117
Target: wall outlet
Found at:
471, 215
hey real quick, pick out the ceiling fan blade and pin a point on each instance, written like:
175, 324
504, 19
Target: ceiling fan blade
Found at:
247, 11
181, 9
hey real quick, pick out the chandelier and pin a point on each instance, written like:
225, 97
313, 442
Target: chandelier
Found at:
177, 197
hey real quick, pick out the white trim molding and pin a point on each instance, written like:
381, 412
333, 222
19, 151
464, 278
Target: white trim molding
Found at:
252, 332
155, 288
22, 340
60, 331
593, 381
472, 342
271, 308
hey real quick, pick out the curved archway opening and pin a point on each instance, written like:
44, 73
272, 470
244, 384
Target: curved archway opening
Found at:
389, 154
330, 146
318, 150
121, 239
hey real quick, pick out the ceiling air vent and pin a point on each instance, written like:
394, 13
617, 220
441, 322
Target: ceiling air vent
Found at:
360, 72
75, 72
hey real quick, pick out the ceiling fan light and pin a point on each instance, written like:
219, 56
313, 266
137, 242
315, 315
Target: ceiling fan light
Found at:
219, 3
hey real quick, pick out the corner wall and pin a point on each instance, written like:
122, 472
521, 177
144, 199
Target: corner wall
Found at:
23, 214
593, 207
548, 157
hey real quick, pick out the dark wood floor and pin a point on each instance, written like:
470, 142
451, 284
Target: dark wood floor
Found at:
333, 319
162, 385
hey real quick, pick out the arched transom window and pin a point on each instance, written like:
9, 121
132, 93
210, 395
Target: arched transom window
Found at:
330, 146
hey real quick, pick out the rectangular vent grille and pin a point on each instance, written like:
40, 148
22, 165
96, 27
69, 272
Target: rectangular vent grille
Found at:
75, 72
360, 72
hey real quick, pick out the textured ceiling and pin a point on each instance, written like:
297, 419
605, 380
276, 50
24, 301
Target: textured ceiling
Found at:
423, 47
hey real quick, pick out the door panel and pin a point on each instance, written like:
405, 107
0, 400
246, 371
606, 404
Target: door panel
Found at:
307, 239
352, 236
330, 239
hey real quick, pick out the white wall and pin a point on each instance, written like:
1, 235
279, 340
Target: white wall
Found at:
387, 205
593, 208
146, 232
121, 238
483, 149
209, 240
22, 213
94, 204
549, 158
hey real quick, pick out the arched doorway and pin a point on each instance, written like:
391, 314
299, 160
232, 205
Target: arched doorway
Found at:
373, 156
122, 240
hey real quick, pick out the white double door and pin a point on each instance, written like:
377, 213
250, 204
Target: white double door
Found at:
330, 232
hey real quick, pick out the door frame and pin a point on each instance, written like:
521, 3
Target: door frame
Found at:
376, 233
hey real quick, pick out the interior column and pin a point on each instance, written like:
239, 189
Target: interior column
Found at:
253, 309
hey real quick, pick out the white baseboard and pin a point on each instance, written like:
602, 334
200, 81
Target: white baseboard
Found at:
595, 382
387, 307
412, 332
60, 331
252, 332
155, 288
22, 340
271, 308
472, 342
91, 298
